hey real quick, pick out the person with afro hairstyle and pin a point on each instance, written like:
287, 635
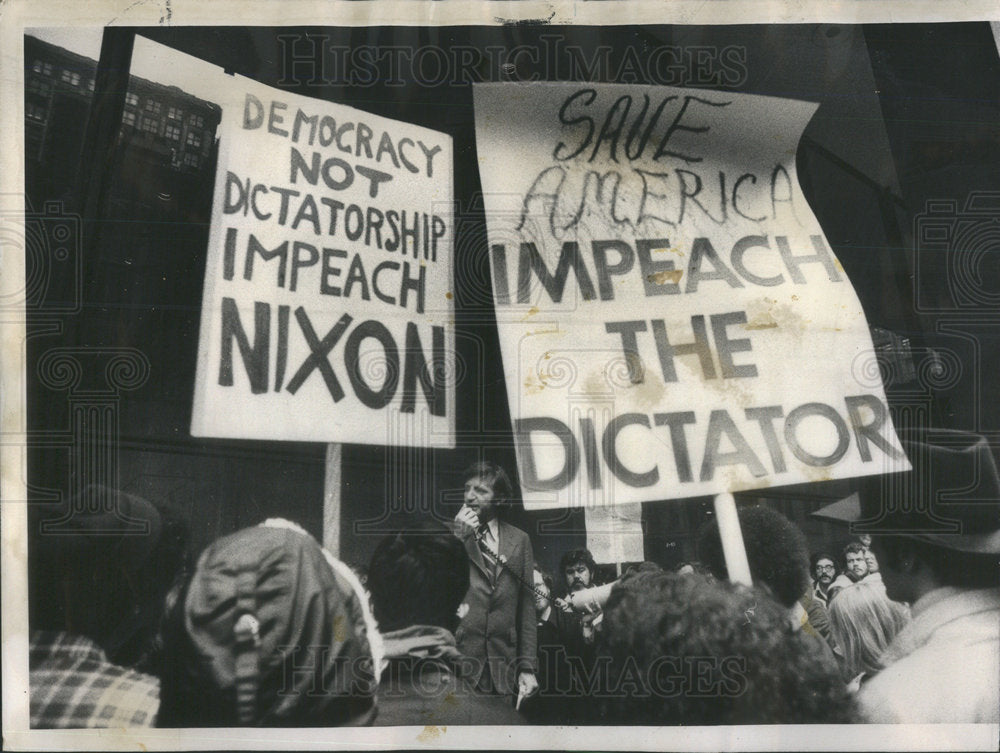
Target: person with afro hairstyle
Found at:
779, 559
688, 649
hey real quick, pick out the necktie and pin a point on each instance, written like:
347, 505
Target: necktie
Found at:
488, 548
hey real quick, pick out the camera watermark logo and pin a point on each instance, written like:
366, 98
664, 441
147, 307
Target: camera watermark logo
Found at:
51, 244
961, 246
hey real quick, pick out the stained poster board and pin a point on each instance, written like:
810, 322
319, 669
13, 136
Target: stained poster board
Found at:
673, 321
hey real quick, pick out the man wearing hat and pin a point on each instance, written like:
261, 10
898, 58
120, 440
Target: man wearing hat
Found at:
936, 533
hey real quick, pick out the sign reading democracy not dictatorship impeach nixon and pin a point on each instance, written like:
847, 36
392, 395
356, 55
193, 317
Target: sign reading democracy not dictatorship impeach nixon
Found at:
327, 313
672, 320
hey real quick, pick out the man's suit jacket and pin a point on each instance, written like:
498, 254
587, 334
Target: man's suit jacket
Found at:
500, 627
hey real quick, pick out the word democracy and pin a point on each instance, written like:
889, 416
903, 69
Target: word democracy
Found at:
348, 137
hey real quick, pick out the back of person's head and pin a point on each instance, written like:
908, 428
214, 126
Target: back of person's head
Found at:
98, 566
864, 621
272, 631
496, 477
776, 551
140, 643
642, 567
418, 577
688, 649
688, 567
950, 567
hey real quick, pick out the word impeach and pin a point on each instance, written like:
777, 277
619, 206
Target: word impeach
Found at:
725, 443
609, 258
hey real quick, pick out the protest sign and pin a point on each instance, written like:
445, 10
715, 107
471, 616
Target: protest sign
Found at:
327, 312
672, 320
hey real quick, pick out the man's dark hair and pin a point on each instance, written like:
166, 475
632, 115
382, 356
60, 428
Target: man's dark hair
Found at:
776, 551
496, 477
814, 560
575, 556
106, 567
687, 649
950, 567
855, 547
418, 577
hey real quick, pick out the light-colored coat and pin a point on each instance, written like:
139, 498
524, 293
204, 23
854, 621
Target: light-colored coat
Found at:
944, 667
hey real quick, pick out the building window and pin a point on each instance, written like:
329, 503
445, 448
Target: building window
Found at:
128, 118
71, 77
197, 121
39, 86
175, 113
39, 67
132, 99
153, 106
150, 125
193, 139
191, 160
90, 84
172, 132
34, 112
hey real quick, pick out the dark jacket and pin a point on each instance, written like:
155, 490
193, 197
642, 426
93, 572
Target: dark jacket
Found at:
499, 626
423, 685
561, 656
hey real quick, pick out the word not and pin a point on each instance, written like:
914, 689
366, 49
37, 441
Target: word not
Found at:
768, 427
610, 258
256, 357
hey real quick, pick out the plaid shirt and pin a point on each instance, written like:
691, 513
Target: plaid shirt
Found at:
74, 685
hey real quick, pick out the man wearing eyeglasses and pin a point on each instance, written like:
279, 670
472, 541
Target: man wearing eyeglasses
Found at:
824, 571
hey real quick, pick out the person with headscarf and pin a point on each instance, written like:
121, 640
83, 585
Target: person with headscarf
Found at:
272, 631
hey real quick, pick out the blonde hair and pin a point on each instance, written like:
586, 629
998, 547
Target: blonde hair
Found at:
864, 622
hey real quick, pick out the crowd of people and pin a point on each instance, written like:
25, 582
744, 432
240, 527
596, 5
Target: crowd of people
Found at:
458, 624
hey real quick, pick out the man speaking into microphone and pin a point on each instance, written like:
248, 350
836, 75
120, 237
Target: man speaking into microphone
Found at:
498, 631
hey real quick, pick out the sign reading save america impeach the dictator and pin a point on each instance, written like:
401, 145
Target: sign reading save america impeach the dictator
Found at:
672, 320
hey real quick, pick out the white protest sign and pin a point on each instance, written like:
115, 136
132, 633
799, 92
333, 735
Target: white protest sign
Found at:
672, 320
327, 313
